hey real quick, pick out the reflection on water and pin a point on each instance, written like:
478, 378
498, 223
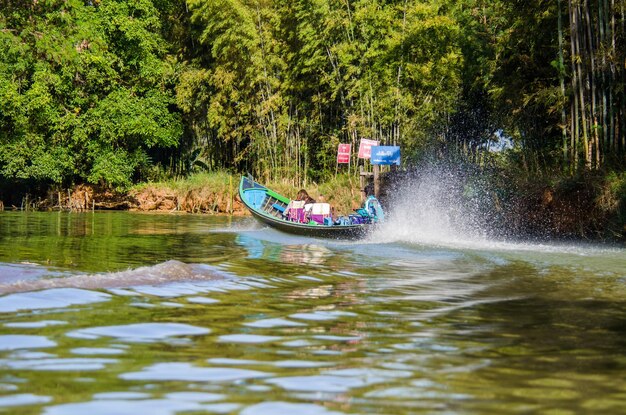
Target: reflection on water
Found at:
119, 313
304, 254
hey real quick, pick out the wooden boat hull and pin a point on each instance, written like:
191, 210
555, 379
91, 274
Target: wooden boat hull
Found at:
265, 206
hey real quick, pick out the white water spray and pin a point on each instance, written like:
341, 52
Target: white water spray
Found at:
433, 208
454, 209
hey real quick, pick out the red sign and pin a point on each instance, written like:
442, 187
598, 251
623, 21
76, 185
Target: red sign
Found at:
365, 148
343, 153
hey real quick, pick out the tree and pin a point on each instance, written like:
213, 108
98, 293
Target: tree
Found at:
83, 91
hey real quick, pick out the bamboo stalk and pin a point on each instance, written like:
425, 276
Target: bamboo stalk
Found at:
577, 56
574, 101
594, 149
562, 85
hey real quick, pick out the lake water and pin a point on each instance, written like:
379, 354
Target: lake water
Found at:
120, 313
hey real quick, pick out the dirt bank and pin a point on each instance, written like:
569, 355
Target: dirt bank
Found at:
587, 207
147, 198
198, 200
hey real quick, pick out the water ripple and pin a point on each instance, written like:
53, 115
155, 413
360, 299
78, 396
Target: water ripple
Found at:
275, 408
274, 322
188, 372
126, 407
70, 364
53, 298
17, 341
159, 274
23, 399
140, 332
247, 338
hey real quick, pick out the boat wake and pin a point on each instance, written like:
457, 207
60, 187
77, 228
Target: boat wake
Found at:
245, 225
430, 209
159, 274
445, 209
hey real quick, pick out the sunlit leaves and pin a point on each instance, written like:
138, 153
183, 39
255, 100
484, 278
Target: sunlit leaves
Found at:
326, 69
83, 90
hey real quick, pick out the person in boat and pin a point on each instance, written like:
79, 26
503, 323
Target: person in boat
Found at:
304, 196
296, 210
321, 214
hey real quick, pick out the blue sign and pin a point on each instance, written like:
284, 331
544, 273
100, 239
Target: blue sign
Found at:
385, 155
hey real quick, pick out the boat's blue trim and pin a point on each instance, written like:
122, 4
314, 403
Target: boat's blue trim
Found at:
279, 207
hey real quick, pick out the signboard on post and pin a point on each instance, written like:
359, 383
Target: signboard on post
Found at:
385, 155
343, 154
365, 148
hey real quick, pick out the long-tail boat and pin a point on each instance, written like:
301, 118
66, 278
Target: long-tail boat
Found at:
315, 219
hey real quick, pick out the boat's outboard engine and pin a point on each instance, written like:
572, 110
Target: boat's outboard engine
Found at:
371, 212
374, 209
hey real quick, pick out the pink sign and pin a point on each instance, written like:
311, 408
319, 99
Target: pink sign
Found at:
365, 148
343, 154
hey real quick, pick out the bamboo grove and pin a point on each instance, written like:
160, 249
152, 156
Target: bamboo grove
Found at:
596, 131
120, 91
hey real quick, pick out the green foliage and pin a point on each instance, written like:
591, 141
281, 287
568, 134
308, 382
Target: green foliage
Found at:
288, 80
107, 91
616, 189
82, 91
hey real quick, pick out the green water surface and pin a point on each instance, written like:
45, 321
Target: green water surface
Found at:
122, 313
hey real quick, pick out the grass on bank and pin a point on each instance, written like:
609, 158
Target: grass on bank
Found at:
217, 192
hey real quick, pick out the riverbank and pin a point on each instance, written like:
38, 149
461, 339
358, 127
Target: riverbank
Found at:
217, 193
589, 207
501, 203
208, 193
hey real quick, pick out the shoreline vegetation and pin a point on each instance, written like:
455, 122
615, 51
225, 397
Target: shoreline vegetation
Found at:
208, 193
591, 207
